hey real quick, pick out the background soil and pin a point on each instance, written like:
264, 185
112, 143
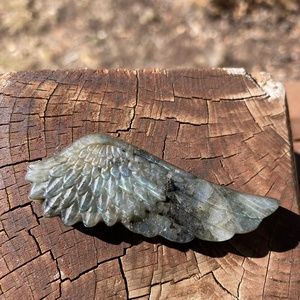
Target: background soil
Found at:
256, 34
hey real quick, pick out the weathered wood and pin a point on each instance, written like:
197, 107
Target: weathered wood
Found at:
223, 125
293, 91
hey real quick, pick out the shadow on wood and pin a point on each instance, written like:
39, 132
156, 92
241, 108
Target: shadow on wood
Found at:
279, 232
297, 165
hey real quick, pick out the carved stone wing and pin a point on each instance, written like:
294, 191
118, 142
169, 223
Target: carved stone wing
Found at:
103, 179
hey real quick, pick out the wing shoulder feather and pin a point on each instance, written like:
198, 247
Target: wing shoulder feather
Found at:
97, 179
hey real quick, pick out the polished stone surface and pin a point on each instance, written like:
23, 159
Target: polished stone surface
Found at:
104, 179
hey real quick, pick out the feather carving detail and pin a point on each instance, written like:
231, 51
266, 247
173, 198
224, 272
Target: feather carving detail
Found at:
104, 179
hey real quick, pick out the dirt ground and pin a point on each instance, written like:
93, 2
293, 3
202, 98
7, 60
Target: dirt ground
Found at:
255, 34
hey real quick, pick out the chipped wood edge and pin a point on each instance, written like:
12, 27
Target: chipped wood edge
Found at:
274, 89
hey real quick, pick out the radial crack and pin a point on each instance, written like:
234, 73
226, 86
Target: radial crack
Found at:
124, 277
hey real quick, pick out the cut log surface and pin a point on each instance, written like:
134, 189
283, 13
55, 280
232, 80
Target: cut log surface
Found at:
224, 125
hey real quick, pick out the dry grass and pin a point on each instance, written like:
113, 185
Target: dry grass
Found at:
256, 34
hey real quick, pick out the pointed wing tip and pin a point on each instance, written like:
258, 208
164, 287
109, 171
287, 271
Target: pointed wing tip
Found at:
270, 205
267, 208
274, 205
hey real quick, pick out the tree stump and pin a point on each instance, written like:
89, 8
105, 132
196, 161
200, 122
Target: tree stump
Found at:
224, 125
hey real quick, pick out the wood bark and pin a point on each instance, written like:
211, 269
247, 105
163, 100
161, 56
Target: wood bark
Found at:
224, 125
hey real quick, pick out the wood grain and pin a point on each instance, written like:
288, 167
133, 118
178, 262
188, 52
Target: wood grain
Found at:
224, 125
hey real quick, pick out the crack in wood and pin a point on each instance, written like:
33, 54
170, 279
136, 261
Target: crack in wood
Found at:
131, 121
123, 276
13, 164
241, 280
266, 274
35, 241
59, 274
220, 284
15, 208
21, 265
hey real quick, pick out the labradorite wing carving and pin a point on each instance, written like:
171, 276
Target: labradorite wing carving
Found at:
104, 179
